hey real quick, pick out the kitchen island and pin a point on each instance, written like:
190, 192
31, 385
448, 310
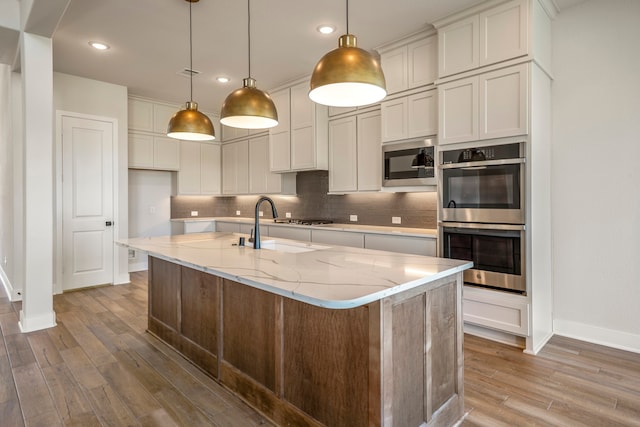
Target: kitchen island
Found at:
310, 334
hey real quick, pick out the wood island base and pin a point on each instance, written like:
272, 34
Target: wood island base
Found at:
394, 362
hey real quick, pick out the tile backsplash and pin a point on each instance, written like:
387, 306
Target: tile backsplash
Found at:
313, 202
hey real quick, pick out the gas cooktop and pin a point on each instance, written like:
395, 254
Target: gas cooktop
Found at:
302, 221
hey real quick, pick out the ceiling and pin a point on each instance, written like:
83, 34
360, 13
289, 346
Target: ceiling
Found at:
149, 40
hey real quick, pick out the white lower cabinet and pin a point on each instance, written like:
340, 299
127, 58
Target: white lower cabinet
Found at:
341, 238
290, 232
192, 227
496, 310
404, 244
227, 227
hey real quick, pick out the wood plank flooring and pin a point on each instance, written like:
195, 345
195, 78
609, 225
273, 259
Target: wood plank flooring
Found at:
98, 367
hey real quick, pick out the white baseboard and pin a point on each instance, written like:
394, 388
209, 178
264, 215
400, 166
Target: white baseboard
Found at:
12, 293
493, 335
597, 335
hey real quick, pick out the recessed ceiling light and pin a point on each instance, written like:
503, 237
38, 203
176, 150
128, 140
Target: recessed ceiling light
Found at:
326, 29
222, 79
99, 46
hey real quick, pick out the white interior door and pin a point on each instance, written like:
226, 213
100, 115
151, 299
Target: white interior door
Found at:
87, 210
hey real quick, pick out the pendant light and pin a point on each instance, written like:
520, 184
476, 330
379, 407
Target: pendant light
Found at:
347, 76
249, 107
190, 124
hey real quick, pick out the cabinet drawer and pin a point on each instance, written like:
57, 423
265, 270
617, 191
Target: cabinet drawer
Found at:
496, 310
341, 238
227, 227
302, 234
403, 244
198, 227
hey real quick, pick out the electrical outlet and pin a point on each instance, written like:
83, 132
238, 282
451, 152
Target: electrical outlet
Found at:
396, 220
261, 213
287, 215
194, 213
353, 218
237, 213
132, 253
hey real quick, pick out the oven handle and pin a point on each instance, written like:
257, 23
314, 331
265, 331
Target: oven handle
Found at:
481, 226
482, 164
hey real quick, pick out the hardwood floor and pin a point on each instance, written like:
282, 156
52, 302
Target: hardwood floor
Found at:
98, 367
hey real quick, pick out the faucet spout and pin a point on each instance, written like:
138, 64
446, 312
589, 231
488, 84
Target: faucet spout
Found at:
256, 226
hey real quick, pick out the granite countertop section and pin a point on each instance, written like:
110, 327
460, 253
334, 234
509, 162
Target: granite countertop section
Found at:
406, 231
336, 277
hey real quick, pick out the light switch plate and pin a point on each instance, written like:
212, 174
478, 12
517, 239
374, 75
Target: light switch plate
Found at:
194, 213
396, 220
353, 218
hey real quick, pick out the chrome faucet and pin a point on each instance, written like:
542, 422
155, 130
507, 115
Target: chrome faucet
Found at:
256, 234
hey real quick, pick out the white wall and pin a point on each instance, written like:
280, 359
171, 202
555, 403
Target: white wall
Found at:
149, 208
6, 179
80, 95
596, 172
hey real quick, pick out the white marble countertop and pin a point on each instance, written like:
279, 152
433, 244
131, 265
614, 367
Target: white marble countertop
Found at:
406, 231
326, 276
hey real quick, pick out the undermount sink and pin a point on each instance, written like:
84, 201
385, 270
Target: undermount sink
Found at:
291, 248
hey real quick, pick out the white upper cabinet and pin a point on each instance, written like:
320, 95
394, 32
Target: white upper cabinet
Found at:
199, 168
299, 142
503, 32
410, 63
261, 179
459, 46
148, 151
230, 133
489, 36
490, 105
354, 153
235, 167
411, 116
161, 116
140, 115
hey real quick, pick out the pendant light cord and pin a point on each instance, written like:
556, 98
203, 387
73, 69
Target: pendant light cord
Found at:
190, 57
249, 32
347, 16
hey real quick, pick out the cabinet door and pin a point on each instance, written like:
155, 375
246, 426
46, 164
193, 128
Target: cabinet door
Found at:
229, 168
336, 111
227, 227
422, 64
458, 46
403, 244
303, 152
161, 116
503, 103
290, 232
394, 65
422, 112
229, 133
335, 237
458, 107
280, 135
140, 115
166, 153
503, 32
189, 174
210, 168
140, 151
261, 179
343, 175
394, 119
242, 167
369, 152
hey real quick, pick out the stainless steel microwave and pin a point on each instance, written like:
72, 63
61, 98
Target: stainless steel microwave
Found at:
409, 163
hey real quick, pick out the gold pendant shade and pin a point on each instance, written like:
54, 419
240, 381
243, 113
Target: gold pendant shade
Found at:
249, 108
347, 77
190, 124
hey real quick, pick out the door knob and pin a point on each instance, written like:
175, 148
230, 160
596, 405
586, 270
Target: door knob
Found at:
108, 223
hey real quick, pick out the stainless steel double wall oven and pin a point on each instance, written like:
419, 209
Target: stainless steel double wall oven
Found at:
482, 213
